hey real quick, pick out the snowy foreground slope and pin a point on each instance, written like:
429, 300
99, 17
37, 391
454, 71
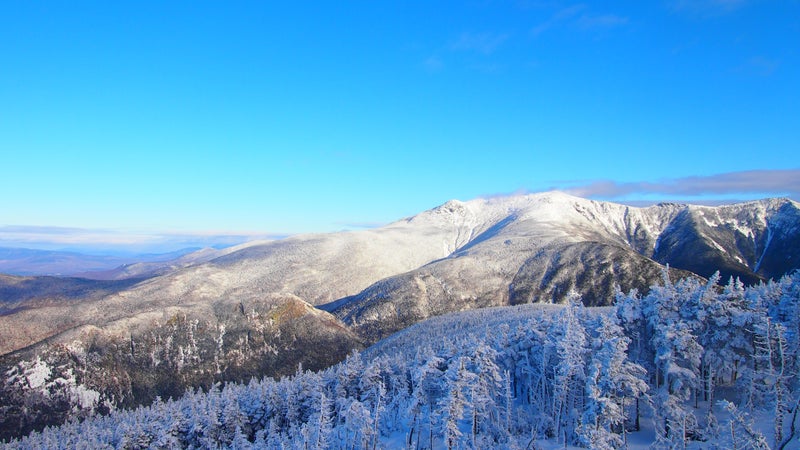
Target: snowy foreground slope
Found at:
690, 365
263, 308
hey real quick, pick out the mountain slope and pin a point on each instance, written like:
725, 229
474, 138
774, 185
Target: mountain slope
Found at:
498, 378
17, 292
460, 255
262, 308
316, 268
246, 313
537, 248
753, 241
146, 269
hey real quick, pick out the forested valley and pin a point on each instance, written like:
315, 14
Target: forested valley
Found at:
691, 364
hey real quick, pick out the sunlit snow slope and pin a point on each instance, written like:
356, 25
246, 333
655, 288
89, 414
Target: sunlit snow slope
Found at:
460, 255
537, 248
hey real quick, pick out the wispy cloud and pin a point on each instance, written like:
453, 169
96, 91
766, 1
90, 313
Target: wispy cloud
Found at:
471, 50
589, 21
485, 43
704, 8
433, 64
760, 66
561, 16
753, 182
44, 230
579, 17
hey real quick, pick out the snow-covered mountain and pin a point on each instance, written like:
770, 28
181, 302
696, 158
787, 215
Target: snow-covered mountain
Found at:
537, 248
142, 269
315, 268
261, 308
460, 255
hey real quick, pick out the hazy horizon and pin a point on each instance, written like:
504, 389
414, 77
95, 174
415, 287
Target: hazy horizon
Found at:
126, 242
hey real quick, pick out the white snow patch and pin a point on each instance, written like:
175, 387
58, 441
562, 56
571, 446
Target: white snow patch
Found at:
717, 245
84, 397
764, 252
38, 374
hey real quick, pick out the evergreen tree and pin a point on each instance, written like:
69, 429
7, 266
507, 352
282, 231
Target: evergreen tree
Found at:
456, 400
611, 378
677, 357
568, 338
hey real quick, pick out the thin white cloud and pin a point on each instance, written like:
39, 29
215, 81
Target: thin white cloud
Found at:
760, 66
705, 7
45, 230
470, 50
752, 182
589, 21
485, 43
433, 64
579, 17
561, 16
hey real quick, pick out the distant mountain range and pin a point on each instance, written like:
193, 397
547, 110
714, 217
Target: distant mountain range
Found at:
461, 255
32, 262
261, 308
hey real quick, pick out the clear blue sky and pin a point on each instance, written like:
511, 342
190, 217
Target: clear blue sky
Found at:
291, 117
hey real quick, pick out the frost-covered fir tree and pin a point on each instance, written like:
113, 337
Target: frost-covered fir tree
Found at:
676, 358
568, 338
611, 379
485, 420
456, 401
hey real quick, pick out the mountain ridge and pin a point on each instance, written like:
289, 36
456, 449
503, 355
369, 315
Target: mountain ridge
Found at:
261, 308
521, 231
539, 247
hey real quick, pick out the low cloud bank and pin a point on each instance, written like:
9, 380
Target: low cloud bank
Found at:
110, 241
763, 183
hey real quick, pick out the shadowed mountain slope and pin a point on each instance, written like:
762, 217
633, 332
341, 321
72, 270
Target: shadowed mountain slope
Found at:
538, 248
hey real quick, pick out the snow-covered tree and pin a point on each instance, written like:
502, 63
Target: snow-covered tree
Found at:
569, 339
611, 379
456, 400
485, 393
676, 357
743, 434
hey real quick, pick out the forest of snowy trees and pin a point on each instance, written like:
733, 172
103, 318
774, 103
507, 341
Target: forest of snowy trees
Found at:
690, 361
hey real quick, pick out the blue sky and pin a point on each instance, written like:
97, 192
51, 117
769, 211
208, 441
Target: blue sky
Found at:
259, 118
